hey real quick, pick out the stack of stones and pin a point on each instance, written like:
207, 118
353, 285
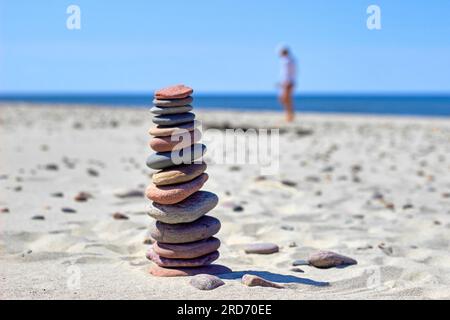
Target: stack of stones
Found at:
185, 243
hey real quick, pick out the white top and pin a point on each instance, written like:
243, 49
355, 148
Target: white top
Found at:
288, 70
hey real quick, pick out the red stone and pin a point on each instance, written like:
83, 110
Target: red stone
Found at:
183, 272
176, 263
175, 142
179, 91
175, 193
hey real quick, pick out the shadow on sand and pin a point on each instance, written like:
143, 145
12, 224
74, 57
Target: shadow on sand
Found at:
274, 277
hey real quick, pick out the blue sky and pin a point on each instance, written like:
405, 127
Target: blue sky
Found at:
223, 45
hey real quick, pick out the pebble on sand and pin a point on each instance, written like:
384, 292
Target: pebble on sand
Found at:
255, 281
329, 259
82, 196
129, 194
206, 282
4, 210
261, 248
68, 210
38, 217
120, 216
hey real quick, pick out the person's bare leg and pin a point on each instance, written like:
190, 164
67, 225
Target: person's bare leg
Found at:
288, 102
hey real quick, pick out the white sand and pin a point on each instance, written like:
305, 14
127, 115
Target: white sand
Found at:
331, 207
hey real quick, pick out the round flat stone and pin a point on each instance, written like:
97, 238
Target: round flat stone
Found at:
170, 110
175, 142
188, 210
178, 91
172, 103
178, 174
186, 250
162, 160
206, 282
261, 248
158, 271
173, 119
174, 263
163, 131
200, 229
175, 193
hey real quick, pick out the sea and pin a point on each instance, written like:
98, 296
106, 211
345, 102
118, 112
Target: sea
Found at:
419, 105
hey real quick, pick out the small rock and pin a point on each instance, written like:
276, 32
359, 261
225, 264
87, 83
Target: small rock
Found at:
292, 244
446, 195
4, 210
92, 172
255, 281
238, 208
57, 194
312, 179
329, 259
120, 216
38, 217
129, 194
82, 196
206, 282
235, 168
289, 183
300, 262
297, 270
18, 188
261, 248
68, 210
408, 206
287, 228
51, 166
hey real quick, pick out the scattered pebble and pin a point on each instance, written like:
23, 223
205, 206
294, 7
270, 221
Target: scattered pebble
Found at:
57, 194
300, 262
206, 282
329, 259
287, 228
235, 168
38, 217
407, 206
120, 216
51, 167
292, 244
82, 196
446, 195
92, 172
261, 248
297, 270
289, 183
238, 208
4, 210
255, 281
68, 210
18, 188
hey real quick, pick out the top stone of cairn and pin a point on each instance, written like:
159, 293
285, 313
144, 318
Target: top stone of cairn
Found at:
179, 91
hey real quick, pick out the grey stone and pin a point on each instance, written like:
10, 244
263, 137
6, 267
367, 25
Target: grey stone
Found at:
173, 119
200, 229
205, 260
206, 282
262, 248
161, 160
188, 210
173, 103
170, 110
329, 259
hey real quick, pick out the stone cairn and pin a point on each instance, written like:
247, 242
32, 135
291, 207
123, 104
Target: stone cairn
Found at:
185, 243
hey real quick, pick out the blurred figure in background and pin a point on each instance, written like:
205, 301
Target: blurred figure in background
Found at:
288, 76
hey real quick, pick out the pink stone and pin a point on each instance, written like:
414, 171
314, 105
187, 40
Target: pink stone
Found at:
329, 259
179, 91
194, 262
175, 142
255, 281
175, 193
186, 250
158, 271
262, 248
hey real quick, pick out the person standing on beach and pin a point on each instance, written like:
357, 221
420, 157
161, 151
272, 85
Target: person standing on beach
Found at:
288, 75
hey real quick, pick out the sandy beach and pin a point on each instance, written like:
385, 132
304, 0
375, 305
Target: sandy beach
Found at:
376, 189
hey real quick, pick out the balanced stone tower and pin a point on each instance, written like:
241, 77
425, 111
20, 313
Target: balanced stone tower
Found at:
185, 243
